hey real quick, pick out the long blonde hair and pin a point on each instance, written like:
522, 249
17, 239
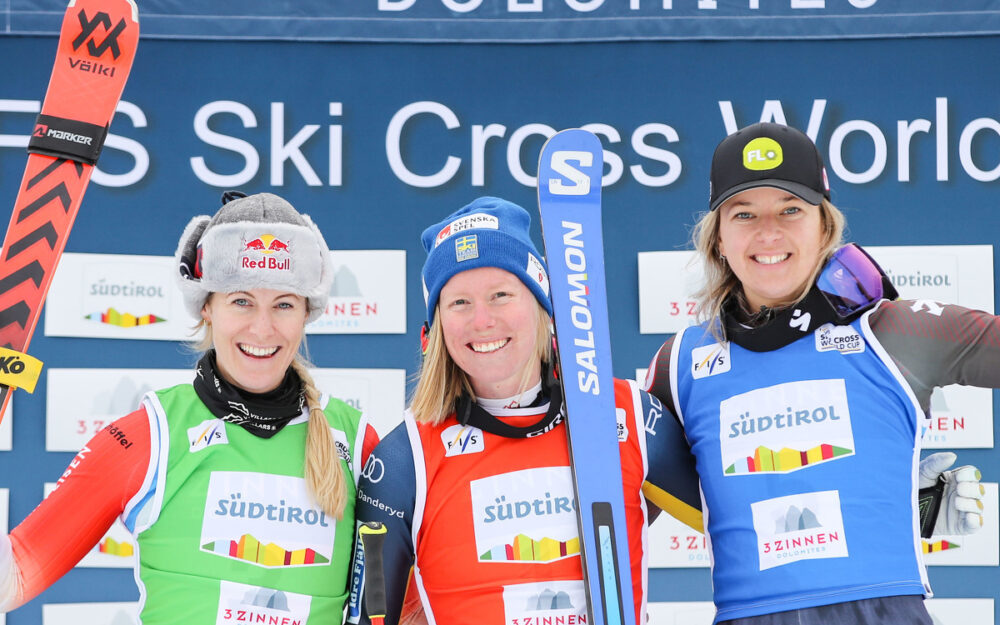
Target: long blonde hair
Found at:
441, 381
323, 472
721, 282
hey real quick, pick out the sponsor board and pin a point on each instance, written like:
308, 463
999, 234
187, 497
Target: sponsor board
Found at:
666, 305
961, 417
681, 612
956, 274
4, 524
379, 393
368, 295
81, 402
979, 549
116, 296
115, 550
953, 274
640, 376
961, 611
7, 429
673, 544
119, 613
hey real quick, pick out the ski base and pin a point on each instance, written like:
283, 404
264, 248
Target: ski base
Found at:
569, 201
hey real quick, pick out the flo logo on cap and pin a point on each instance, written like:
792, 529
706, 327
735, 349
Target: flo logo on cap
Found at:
761, 154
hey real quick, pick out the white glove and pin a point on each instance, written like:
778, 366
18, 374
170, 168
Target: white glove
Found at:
961, 509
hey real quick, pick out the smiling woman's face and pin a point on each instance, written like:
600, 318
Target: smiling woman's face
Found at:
256, 335
490, 324
772, 241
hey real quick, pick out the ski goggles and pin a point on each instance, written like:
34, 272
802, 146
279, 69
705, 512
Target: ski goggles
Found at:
852, 282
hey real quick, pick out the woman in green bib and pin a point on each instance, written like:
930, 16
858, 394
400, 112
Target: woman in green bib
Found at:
239, 488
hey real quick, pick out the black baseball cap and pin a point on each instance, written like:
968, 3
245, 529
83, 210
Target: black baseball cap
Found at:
768, 155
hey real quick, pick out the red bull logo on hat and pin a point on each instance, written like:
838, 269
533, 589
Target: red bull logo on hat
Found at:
266, 245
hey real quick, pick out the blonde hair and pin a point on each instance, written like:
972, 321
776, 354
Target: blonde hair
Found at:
721, 282
323, 471
441, 381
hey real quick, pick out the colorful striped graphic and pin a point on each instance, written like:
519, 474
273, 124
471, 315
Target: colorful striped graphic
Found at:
765, 460
250, 549
940, 545
112, 547
123, 320
526, 549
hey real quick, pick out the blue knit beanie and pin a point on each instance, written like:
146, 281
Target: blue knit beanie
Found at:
489, 232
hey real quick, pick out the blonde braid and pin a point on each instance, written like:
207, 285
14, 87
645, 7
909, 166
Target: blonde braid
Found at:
323, 471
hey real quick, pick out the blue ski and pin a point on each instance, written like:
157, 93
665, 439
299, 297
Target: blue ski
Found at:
569, 202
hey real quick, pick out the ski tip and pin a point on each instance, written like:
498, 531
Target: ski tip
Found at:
571, 164
135, 10
131, 3
573, 136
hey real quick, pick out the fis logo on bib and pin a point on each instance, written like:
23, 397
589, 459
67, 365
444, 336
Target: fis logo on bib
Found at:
843, 339
462, 439
207, 433
710, 360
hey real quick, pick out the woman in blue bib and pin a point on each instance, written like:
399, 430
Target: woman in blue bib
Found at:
804, 394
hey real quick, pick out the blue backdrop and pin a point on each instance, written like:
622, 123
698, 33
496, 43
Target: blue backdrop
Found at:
664, 106
529, 21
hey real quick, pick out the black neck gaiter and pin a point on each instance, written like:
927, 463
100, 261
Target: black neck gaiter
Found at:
261, 414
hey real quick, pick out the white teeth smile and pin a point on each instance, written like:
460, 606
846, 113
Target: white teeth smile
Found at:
770, 260
260, 352
492, 346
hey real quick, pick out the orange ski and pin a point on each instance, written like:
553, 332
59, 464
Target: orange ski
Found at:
96, 48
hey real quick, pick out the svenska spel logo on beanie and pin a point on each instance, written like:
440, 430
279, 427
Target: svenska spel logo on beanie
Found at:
468, 222
762, 153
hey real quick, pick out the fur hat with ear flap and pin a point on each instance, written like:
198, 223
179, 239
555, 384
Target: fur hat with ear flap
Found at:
253, 242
